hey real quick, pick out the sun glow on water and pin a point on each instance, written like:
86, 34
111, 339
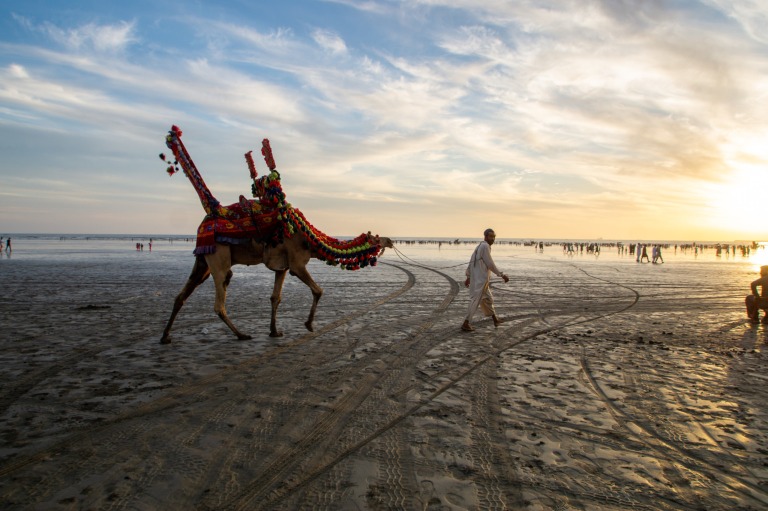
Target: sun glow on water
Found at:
760, 256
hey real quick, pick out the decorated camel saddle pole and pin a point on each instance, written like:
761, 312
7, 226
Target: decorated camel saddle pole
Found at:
174, 143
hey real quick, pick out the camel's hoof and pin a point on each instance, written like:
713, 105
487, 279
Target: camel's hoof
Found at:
165, 340
309, 326
276, 333
244, 337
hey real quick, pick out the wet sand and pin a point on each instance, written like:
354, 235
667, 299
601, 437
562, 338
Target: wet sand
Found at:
611, 385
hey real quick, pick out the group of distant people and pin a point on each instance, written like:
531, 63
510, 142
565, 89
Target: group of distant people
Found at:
573, 248
5, 244
642, 254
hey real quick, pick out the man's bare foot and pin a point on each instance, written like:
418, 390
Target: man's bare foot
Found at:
466, 326
496, 321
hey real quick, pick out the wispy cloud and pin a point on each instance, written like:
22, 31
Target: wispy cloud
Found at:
90, 36
329, 41
751, 15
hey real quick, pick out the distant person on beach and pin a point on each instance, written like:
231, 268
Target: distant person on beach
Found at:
757, 301
657, 254
478, 281
8, 245
645, 255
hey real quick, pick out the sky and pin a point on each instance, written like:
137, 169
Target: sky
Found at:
543, 119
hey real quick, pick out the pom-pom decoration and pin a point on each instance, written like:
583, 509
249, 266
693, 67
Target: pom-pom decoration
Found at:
173, 167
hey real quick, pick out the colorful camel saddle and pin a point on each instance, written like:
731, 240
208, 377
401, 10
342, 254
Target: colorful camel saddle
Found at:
237, 224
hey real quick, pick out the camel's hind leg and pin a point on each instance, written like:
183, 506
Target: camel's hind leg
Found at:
220, 263
303, 274
276, 298
200, 272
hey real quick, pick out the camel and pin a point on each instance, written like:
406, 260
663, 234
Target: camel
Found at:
290, 256
265, 231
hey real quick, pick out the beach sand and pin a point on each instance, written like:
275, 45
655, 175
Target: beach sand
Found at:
611, 385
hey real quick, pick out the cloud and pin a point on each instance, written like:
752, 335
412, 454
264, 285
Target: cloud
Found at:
279, 41
329, 41
751, 15
370, 6
108, 38
17, 71
58, 102
239, 95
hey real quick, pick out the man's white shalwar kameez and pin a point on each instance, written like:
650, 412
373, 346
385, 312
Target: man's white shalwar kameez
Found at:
479, 273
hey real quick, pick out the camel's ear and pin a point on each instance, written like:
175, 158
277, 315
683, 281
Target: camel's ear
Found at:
373, 240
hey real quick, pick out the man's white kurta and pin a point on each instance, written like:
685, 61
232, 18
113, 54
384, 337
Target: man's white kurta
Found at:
479, 272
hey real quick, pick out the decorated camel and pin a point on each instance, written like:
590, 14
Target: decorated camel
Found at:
265, 230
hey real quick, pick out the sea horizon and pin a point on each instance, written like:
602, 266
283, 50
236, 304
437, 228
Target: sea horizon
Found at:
50, 236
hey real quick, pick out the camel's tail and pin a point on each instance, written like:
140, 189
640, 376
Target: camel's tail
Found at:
174, 143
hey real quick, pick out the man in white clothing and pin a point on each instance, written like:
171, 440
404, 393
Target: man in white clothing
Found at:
479, 279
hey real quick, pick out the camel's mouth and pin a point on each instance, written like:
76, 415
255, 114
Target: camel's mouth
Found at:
385, 242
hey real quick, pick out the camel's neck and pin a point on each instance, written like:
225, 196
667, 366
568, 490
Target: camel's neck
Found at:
348, 254
174, 143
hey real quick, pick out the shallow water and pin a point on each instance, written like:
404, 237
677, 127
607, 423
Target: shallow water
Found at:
91, 246
108, 258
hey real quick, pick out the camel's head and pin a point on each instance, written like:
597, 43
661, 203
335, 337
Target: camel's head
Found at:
381, 241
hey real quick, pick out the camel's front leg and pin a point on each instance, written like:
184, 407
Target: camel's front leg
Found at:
303, 275
200, 272
221, 277
277, 296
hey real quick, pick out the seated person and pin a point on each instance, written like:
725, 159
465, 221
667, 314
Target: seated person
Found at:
757, 301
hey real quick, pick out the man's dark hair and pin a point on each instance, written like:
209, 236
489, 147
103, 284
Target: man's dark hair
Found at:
487, 231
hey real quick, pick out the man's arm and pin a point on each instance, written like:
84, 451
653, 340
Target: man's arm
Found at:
468, 271
486, 254
762, 282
